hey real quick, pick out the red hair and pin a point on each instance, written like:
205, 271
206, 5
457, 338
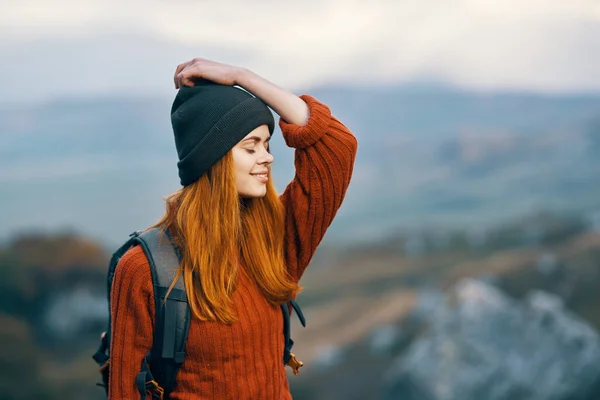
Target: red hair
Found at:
216, 230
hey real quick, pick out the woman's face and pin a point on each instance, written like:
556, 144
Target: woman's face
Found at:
252, 163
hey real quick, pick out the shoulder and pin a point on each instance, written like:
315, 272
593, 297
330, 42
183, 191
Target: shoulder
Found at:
133, 270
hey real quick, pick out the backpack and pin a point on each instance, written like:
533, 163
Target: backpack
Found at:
160, 366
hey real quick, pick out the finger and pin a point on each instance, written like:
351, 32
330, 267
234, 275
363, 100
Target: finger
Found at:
180, 68
189, 73
185, 77
187, 81
177, 71
181, 78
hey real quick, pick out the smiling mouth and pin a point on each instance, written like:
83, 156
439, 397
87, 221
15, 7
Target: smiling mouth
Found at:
263, 178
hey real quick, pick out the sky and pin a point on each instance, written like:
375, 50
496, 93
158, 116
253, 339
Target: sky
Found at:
95, 47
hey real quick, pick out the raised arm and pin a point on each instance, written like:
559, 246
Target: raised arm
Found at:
324, 161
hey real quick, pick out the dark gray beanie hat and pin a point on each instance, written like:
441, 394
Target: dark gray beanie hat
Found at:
208, 120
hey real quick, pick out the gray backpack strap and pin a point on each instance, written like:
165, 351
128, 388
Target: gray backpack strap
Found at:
172, 313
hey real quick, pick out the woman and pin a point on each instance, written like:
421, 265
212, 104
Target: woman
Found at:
249, 246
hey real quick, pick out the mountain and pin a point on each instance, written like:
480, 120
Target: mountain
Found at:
428, 157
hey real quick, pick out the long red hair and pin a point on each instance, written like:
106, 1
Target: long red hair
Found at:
215, 230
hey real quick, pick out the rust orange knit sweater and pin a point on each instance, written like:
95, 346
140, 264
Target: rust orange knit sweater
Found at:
242, 360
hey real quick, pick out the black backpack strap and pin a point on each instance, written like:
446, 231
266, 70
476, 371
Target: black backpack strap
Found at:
299, 313
288, 342
145, 381
172, 314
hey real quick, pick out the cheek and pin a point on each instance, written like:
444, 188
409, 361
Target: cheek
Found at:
243, 163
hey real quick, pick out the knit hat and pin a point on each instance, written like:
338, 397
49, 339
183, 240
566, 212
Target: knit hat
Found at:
208, 120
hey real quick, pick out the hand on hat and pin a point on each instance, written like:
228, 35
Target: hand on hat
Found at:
285, 103
198, 68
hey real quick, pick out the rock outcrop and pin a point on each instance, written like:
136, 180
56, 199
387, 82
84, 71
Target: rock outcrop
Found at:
482, 344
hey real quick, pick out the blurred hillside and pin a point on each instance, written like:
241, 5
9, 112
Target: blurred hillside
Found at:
369, 307
428, 156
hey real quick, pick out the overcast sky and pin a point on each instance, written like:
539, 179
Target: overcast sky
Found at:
73, 47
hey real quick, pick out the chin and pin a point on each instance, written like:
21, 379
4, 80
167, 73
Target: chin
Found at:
252, 190
254, 195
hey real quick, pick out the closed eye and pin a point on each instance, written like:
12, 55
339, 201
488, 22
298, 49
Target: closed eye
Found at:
268, 148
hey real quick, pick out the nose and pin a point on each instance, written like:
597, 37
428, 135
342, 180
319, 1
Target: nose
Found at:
266, 157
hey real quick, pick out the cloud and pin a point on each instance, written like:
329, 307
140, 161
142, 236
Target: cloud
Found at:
542, 45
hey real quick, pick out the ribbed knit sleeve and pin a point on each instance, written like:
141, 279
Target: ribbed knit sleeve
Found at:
132, 313
324, 160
